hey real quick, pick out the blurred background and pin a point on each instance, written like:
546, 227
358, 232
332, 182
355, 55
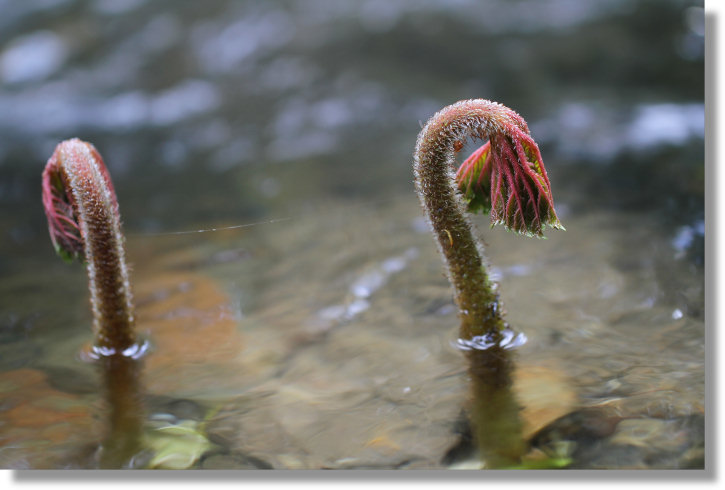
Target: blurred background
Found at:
226, 113
230, 111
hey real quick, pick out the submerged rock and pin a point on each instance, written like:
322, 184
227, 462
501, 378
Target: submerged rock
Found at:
41, 426
359, 415
192, 327
598, 437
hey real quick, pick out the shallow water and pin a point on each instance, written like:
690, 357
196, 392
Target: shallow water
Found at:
323, 335
341, 322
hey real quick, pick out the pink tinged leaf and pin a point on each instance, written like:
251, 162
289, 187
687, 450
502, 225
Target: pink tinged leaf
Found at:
507, 178
474, 179
64, 229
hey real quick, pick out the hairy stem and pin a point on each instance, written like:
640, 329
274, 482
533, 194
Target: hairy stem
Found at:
83, 217
434, 161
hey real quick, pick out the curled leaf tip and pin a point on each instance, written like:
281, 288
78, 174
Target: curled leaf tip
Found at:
57, 201
506, 178
70, 157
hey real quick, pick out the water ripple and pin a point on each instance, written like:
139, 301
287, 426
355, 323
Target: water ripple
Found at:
509, 340
365, 285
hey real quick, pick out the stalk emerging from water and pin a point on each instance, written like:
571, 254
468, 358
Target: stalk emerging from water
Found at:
507, 178
84, 222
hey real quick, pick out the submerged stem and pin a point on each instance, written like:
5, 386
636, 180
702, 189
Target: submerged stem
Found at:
494, 410
124, 397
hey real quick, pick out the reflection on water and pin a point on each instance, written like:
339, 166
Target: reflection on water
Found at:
325, 335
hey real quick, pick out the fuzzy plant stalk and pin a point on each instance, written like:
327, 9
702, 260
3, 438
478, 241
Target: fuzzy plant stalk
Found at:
84, 223
506, 178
